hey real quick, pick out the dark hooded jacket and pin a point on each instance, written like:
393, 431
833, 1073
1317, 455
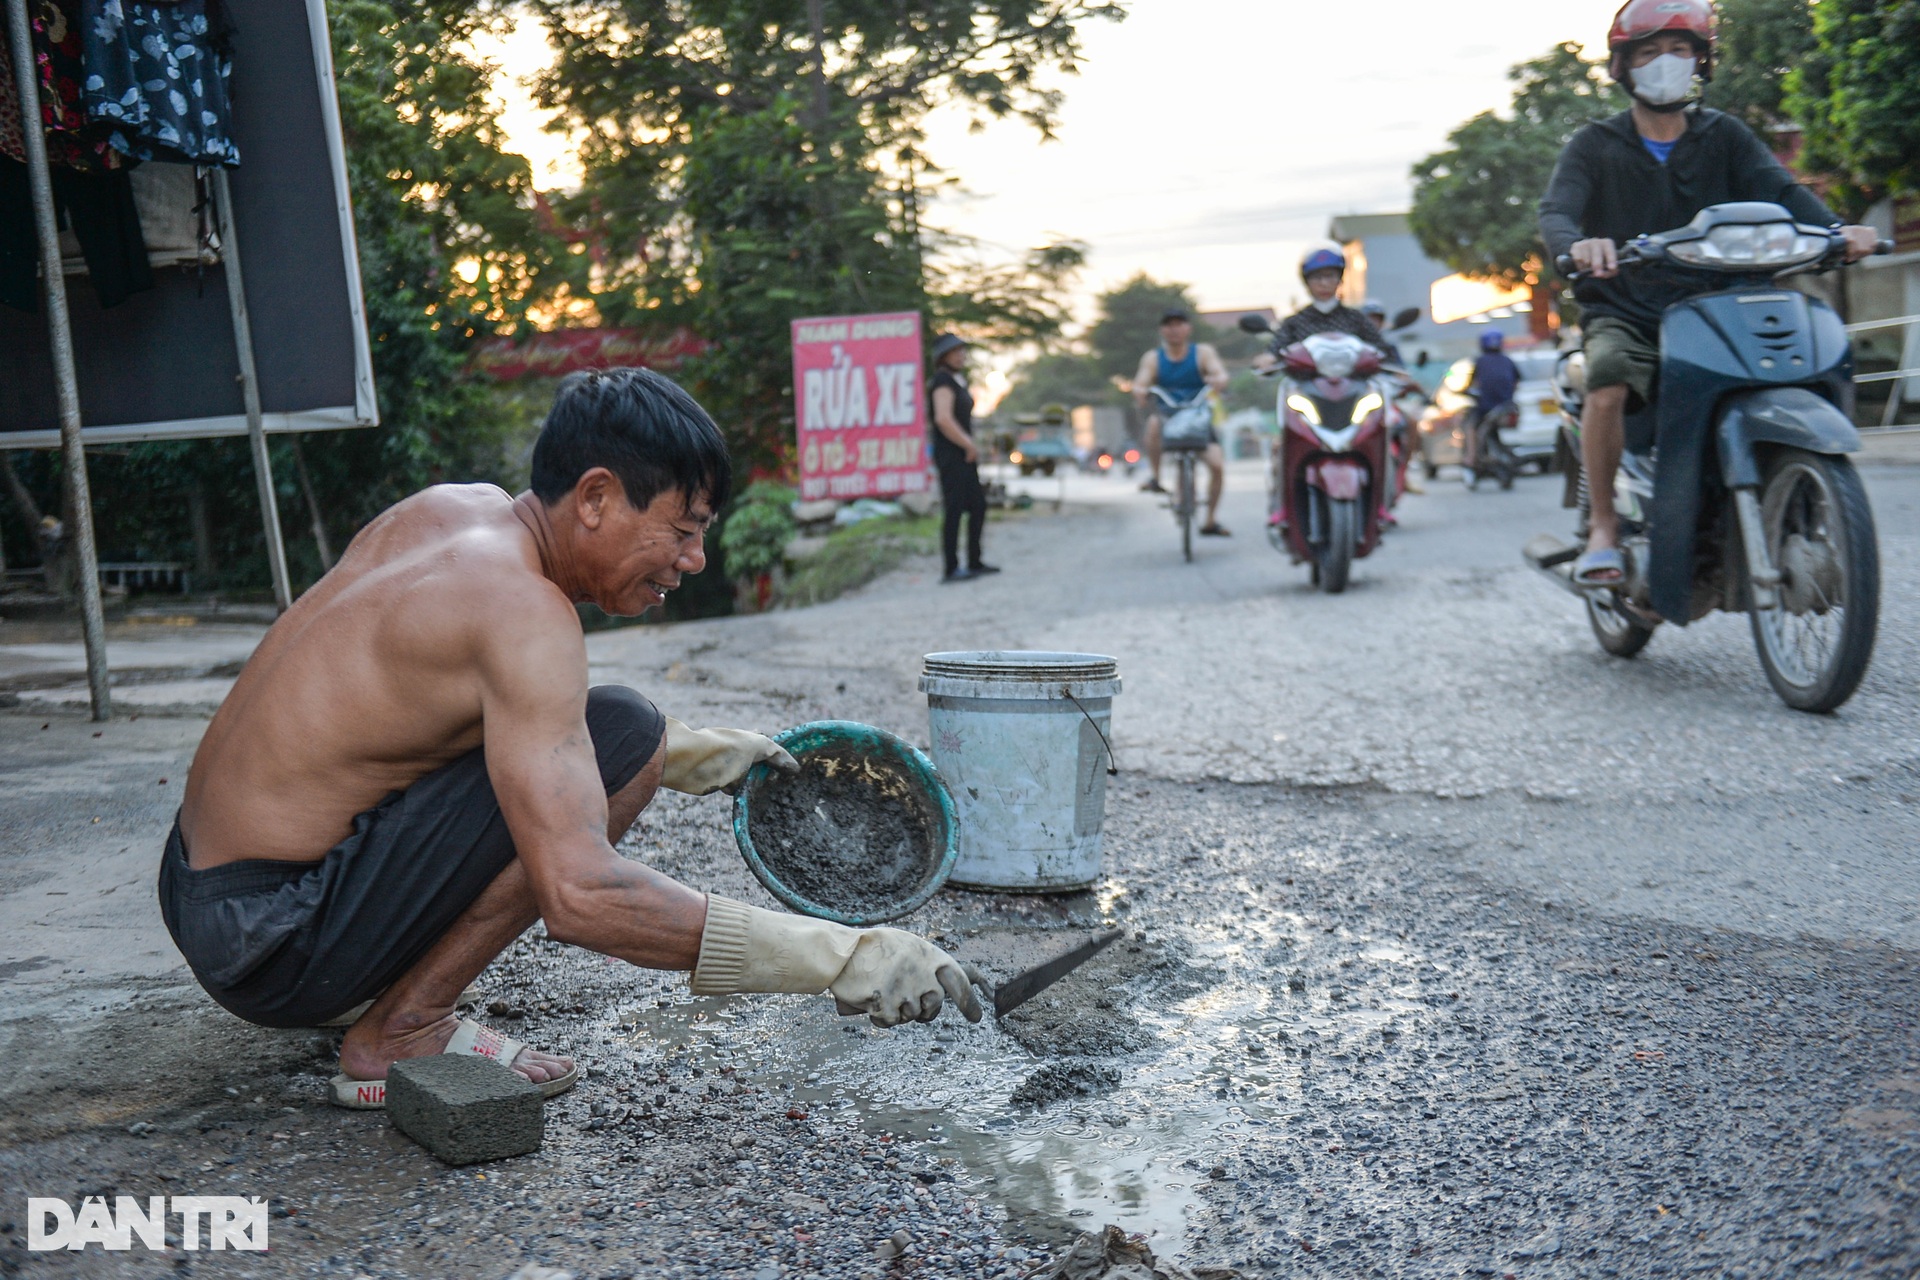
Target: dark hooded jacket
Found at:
1608, 185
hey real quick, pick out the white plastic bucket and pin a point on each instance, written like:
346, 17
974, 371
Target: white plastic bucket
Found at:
1022, 741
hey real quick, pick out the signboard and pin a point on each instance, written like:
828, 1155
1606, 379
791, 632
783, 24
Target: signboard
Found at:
548, 355
162, 364
860, 406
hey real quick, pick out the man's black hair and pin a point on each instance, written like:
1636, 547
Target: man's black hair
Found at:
637, 424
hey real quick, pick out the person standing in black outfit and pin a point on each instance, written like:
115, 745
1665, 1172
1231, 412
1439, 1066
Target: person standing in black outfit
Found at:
958, 459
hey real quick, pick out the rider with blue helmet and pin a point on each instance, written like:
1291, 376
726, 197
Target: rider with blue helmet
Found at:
1495, 377
1322, 267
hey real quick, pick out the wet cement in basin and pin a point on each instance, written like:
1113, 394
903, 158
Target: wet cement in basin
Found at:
849, 831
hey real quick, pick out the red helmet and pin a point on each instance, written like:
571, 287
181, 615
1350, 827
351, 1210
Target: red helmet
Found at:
1640, 19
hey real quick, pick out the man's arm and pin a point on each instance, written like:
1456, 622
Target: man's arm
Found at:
1143, 378
533, 671
1564, 205
949, 426
1211, 367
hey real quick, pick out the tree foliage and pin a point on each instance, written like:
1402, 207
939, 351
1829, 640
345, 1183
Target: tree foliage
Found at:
1475, 203
745, 168
1759, 43
1857, 98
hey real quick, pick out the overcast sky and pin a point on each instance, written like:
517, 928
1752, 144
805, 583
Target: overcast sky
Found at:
1207, 141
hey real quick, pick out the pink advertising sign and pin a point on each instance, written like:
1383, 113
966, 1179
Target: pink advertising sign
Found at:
859, 405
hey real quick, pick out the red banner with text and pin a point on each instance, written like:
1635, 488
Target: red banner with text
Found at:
859, 406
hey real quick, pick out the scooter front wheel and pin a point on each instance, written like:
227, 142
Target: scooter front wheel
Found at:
1335, 561
1816, 642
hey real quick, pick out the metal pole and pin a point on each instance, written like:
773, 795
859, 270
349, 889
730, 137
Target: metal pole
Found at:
73, 456
250, 390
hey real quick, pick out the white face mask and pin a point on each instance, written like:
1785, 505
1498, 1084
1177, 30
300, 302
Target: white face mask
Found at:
1324, 307
1665, 80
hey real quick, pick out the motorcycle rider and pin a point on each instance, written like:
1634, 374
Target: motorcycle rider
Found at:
1182, 368
1494, 378
1322, 267
1649, 168
1376, 311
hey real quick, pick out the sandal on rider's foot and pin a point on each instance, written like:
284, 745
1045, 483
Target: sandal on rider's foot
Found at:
1590, 569
1153, 486
469, 1038
1214, 529
470, 998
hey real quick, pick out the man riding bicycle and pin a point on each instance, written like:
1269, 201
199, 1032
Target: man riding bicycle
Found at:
1182, 369
1647, 169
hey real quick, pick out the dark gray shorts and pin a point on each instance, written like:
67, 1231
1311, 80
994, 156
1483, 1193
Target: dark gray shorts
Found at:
1620, 354
291, 944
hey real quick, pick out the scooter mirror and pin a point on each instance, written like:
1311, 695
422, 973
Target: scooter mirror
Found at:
1401, 319
1255, 324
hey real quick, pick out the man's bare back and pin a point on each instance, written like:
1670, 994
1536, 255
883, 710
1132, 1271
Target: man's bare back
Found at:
368, 683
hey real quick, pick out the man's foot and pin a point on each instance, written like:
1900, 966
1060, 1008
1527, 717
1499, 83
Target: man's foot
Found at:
366, 1055
1600, 567
1153, 486
1214, 529
955, 575
975, 570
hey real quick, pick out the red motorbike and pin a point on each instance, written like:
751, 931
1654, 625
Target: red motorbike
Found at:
1331, 476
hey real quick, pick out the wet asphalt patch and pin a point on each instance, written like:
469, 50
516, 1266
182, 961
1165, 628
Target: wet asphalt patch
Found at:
1344, 1054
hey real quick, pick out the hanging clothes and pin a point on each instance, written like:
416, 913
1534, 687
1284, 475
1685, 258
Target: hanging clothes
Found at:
157, 79
12, 143
72, 139
100, 209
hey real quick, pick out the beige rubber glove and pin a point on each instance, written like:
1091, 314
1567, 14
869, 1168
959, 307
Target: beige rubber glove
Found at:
889, 975
702, 761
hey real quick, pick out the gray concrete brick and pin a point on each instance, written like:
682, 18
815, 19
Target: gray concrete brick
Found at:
465, 1109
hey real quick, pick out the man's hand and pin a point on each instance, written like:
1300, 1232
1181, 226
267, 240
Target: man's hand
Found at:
702, 761
890, 976
895, 977
1265, 360
1861, 241
1599, 258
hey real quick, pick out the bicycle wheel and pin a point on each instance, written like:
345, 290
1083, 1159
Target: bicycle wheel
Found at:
1185, 500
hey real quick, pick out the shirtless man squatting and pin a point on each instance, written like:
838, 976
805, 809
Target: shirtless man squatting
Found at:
411, 769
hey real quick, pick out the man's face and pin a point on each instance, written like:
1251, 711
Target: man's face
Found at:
1664, 43
1175, 333
1323, 284
630, 557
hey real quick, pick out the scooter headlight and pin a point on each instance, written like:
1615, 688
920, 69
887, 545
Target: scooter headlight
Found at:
1305, 408
1750, 244
1368, 403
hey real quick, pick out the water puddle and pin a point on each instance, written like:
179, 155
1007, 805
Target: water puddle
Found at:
1226, 1075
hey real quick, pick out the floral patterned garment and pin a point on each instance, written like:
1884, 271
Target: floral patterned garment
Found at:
12, 143
72, 140
156, 79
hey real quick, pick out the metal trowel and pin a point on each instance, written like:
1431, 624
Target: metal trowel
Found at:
1020, 988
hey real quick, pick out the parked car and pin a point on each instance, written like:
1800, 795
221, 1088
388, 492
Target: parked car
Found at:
1531, 439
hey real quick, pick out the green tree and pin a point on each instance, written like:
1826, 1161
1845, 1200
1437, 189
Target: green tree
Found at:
1128, 322
1475, 203
750, 162
1759, 42
1857, 98
1057, 377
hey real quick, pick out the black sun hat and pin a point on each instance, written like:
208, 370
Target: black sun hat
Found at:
948, 342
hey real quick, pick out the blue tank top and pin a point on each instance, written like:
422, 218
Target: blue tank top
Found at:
1179, 378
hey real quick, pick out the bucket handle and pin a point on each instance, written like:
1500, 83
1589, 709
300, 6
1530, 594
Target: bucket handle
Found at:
1113, 767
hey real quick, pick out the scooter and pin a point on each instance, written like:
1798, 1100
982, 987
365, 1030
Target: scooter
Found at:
1734, 491
1493, 460
1331, 476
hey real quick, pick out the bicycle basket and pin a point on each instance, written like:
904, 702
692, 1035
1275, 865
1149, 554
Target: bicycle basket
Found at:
1190, 428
